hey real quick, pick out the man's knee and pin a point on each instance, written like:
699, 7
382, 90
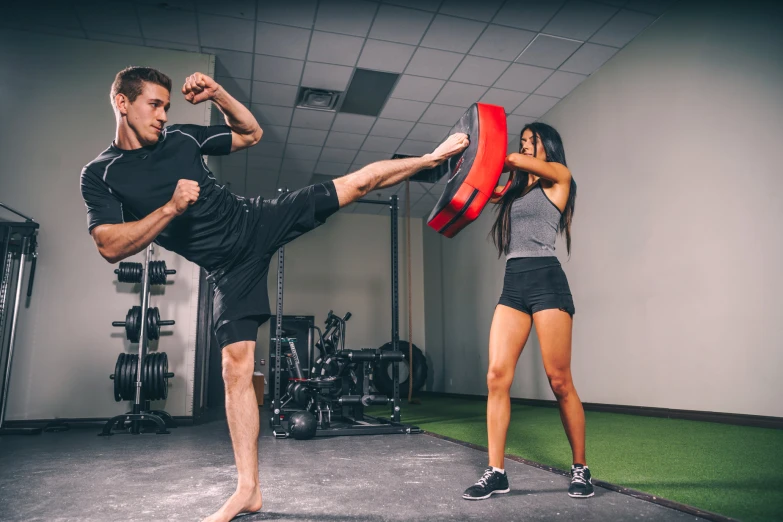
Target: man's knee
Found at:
237, 359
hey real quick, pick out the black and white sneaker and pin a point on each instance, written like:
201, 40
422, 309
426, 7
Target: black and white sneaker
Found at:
491, 482
581, 482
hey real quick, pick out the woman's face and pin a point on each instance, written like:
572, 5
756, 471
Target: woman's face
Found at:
526, 145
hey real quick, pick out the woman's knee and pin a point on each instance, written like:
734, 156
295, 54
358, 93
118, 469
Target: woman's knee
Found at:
499, 379
561, 384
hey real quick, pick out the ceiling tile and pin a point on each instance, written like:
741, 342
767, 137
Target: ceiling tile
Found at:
397, 24
433, 63
527, 14
365, 157
298, 165
536, 106
460, 94
381, 144
237, 8
186, 5
344, 140
502, 43
429, 132
623, 28
302, 151
331, 168
231, 63
169, 25
238, 88
225, 32
548, 51
160, 44
274, 94
588, 58
299, 13
509, 100
261, 183
279, 40
442, 115
338, 155
334, 48
271, 115
479, 71
427, 5
293, 180
515, 124
483, 11
307, 136
267, 148
391, 128
452, 34
312, 119
278, 70
560, 84
275, 133
107, 17
345, 16
324, 76
56, 15
417, 88
385, 56
266, 164
579, 19
522, 78
656, 7
403, 110
354, 123
92, 35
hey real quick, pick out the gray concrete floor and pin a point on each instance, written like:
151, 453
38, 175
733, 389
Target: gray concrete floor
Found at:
76, 475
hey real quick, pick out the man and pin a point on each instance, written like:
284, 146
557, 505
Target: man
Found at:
151, 184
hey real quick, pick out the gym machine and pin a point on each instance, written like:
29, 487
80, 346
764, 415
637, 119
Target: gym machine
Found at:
142, 377
18, 241
335, 403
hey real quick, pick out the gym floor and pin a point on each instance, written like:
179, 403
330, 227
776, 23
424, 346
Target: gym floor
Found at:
186, 475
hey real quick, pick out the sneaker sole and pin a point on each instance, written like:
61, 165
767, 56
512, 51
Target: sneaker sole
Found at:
498, 491
581, 496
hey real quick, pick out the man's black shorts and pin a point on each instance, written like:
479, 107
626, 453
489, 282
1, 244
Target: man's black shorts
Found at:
241, 303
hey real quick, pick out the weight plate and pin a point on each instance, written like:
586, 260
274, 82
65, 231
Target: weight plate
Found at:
118, 377
164, 371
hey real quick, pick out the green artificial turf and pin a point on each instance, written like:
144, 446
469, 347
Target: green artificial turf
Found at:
730, 470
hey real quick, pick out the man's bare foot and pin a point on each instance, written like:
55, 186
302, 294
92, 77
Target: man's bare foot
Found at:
240, 502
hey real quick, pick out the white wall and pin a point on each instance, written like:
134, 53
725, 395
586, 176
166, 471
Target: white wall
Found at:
675, 144
54, 98
345, 266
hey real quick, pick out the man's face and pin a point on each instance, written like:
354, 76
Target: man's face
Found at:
146, 115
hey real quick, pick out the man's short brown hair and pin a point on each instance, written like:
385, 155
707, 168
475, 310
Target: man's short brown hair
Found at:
129, 81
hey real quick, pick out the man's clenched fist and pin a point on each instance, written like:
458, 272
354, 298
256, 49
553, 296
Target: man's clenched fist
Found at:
185, 194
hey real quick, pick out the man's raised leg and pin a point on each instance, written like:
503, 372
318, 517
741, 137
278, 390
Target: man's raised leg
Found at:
387, 173
243, 424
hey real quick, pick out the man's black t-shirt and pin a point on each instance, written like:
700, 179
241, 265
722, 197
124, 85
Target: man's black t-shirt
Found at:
127, 185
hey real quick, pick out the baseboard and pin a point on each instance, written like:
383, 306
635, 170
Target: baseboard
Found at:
756, 421
77, 422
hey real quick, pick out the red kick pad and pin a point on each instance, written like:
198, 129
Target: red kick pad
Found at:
473, 174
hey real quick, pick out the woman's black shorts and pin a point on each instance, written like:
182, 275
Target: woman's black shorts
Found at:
532, 284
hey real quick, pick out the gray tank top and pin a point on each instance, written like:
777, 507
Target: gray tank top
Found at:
534, 224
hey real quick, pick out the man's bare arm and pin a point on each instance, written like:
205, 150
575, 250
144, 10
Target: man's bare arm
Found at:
119, 241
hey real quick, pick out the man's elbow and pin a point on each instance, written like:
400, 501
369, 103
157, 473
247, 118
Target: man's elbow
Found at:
256, 136
109, 256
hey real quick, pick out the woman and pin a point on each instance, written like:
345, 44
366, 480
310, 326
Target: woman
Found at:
537, 205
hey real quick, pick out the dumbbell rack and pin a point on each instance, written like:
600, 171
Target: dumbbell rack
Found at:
141, 414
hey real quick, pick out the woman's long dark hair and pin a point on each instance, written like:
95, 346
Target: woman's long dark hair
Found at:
553, 145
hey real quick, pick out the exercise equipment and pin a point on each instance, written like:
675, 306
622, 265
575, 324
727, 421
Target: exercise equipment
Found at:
132, 324
338, 387
18, 243
302, 425
381, 377
132, 272
473, 174
142, 377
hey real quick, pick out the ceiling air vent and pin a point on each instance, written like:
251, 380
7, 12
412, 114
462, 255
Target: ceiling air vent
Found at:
317, 99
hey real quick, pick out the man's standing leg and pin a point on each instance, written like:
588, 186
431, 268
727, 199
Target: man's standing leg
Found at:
243, 424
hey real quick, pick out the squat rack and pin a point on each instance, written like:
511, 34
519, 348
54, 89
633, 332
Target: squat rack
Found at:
375, 426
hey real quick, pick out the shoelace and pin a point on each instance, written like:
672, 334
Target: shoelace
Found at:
578, 475
485, 478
